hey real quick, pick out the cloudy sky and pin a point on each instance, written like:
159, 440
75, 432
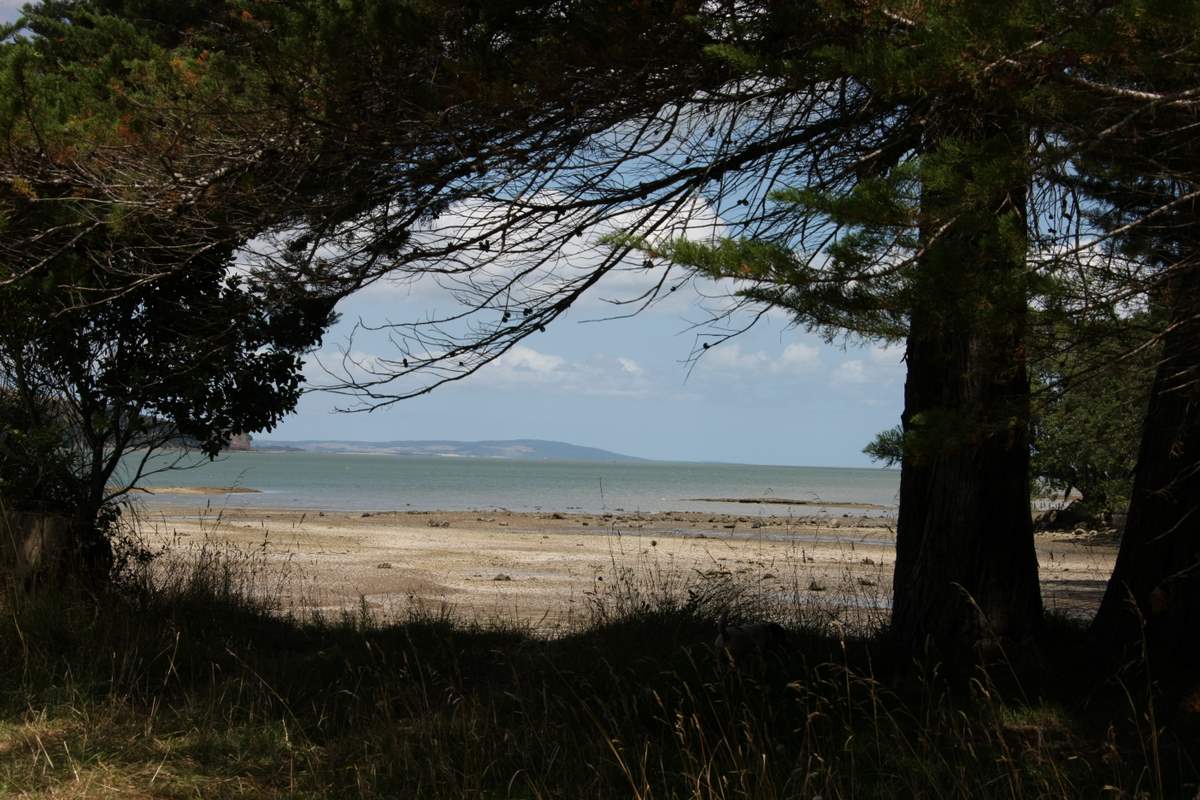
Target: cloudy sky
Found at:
774, 395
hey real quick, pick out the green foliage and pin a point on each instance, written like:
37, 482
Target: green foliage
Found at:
738, 58
132, 173
35, 472
887, 447
88, 83
1092, 384
835, 297
902, 226
897, 207
1092, 389
197, 354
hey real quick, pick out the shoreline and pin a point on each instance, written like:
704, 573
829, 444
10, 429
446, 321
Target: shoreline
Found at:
160, 505
783, 501
541, 568
247, 498
137, 491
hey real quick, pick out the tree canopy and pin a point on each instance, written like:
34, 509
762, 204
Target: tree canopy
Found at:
130, 176
988, 184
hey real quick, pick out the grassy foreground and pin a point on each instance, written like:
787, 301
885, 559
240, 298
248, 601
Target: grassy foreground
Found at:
187, 682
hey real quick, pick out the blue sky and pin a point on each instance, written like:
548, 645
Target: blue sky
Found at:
774, 395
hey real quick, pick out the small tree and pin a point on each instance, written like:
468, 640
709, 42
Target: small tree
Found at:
130, 177
191, 359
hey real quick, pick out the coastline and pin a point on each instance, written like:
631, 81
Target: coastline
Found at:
324, 482
540, 568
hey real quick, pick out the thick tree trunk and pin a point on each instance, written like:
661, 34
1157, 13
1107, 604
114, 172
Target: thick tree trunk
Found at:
966, 571
1153, 597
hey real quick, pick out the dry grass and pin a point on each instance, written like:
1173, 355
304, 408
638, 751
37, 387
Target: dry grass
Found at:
194, 679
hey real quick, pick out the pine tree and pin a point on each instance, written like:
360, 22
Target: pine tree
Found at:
1138, 166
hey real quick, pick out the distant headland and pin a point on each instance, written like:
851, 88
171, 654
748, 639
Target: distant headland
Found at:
522, 449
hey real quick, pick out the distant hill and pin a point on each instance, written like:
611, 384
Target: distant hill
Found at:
524, 449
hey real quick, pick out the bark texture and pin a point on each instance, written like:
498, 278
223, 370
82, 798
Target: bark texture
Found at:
966, 574
1153, 597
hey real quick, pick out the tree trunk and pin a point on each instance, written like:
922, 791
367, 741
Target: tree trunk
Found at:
1153, 597
966, 571
32, 547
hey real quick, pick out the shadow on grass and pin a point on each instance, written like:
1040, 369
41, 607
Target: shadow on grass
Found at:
189, 680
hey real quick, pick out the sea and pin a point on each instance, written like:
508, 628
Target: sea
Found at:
372, 483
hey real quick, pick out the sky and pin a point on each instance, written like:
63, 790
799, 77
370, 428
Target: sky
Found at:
773, 395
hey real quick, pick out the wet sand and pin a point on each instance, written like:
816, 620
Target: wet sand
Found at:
545, 568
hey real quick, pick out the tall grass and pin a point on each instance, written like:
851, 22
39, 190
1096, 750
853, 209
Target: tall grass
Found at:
193, 679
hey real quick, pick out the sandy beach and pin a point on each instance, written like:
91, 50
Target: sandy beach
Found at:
544, 568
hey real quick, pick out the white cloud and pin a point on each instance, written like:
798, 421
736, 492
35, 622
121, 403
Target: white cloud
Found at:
542, 254
729, 358
525, 361
886, 354
800, 356
881, 366
520, 369
524, 368
852, 372
630, 366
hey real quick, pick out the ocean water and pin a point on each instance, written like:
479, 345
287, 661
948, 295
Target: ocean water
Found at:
353, 482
